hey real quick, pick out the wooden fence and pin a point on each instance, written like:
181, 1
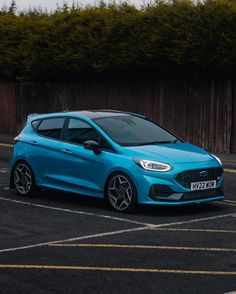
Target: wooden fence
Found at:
202, 111
7, 108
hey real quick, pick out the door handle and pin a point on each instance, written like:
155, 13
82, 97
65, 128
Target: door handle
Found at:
33, 142
66, 151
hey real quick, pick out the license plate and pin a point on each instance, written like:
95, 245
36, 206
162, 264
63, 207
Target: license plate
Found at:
203, 185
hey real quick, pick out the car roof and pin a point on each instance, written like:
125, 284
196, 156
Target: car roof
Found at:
99, 113
91, 114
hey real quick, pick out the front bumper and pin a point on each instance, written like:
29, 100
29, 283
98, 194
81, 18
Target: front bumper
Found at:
164, 194
164, 189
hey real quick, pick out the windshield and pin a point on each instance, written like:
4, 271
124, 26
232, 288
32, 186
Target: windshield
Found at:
129, 130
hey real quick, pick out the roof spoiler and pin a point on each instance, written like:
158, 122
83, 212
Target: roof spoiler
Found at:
31, 116
120, 111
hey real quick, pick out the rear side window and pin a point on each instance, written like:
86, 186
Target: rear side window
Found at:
35, 124
79, 131
51, 128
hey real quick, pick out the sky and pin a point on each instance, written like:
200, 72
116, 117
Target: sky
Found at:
52, 4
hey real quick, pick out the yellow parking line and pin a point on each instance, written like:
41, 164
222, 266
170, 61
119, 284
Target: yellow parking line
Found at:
5, 145
144, 247
229, 170
194, 230
231, 201
114, 269
226, 203
4, 170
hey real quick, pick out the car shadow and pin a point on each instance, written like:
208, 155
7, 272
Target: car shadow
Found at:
100, 206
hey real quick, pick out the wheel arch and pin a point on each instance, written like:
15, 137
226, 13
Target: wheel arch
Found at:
122, 171
13, 168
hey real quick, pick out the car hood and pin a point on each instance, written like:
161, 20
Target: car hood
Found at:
169, 153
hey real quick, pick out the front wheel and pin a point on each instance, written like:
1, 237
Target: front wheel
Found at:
121, 192
23, 179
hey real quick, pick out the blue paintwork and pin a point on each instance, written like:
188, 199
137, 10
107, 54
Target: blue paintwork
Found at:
84, 172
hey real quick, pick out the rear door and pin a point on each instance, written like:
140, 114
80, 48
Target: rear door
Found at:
45, 150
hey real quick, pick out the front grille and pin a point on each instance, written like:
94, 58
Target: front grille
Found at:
187, 177
195, 195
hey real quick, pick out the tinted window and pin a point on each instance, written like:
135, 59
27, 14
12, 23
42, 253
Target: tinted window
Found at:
51, 127
79, 131
35, 124
128, 130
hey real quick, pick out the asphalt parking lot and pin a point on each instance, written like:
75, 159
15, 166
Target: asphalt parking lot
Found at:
62, 243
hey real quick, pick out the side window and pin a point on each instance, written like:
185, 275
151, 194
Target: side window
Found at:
79, 131
51, 127
35, 124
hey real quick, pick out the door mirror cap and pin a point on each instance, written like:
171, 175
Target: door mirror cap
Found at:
92, 145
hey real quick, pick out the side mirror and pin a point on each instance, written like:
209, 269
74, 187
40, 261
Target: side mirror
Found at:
92, 145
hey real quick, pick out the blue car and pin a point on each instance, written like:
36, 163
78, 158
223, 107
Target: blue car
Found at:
119, 156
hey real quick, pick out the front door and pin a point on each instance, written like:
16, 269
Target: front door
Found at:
82, 170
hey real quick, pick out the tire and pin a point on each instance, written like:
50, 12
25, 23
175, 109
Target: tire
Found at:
121, 192
23, 179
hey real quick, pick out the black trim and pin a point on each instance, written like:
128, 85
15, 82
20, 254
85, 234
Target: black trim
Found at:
159, 190
185, 178
202, 194
188, 196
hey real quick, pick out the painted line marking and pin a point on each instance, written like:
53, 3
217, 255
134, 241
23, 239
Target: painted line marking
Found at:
4, 171
112, 233
226, 203
231, 201
229, 170
6, 188
194, 230
115, 269
75, 239
126, 246
6, 145
76, 212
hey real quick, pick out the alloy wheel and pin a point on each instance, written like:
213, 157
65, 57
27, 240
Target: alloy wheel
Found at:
23, 178
120, 192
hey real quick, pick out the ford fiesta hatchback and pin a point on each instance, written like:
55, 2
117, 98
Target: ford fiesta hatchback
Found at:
122, 157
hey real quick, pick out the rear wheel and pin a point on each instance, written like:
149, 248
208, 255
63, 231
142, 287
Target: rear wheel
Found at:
23, 179
121, 192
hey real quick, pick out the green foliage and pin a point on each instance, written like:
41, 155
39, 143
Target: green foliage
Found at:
110, 41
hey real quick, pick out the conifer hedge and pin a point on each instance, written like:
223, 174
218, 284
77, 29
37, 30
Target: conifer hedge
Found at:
179, 39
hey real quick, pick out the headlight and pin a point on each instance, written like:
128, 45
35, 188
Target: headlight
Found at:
216, 158
153, 165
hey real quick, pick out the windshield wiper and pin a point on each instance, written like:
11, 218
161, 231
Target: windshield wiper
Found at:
155, 142
151, 143
161, 142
